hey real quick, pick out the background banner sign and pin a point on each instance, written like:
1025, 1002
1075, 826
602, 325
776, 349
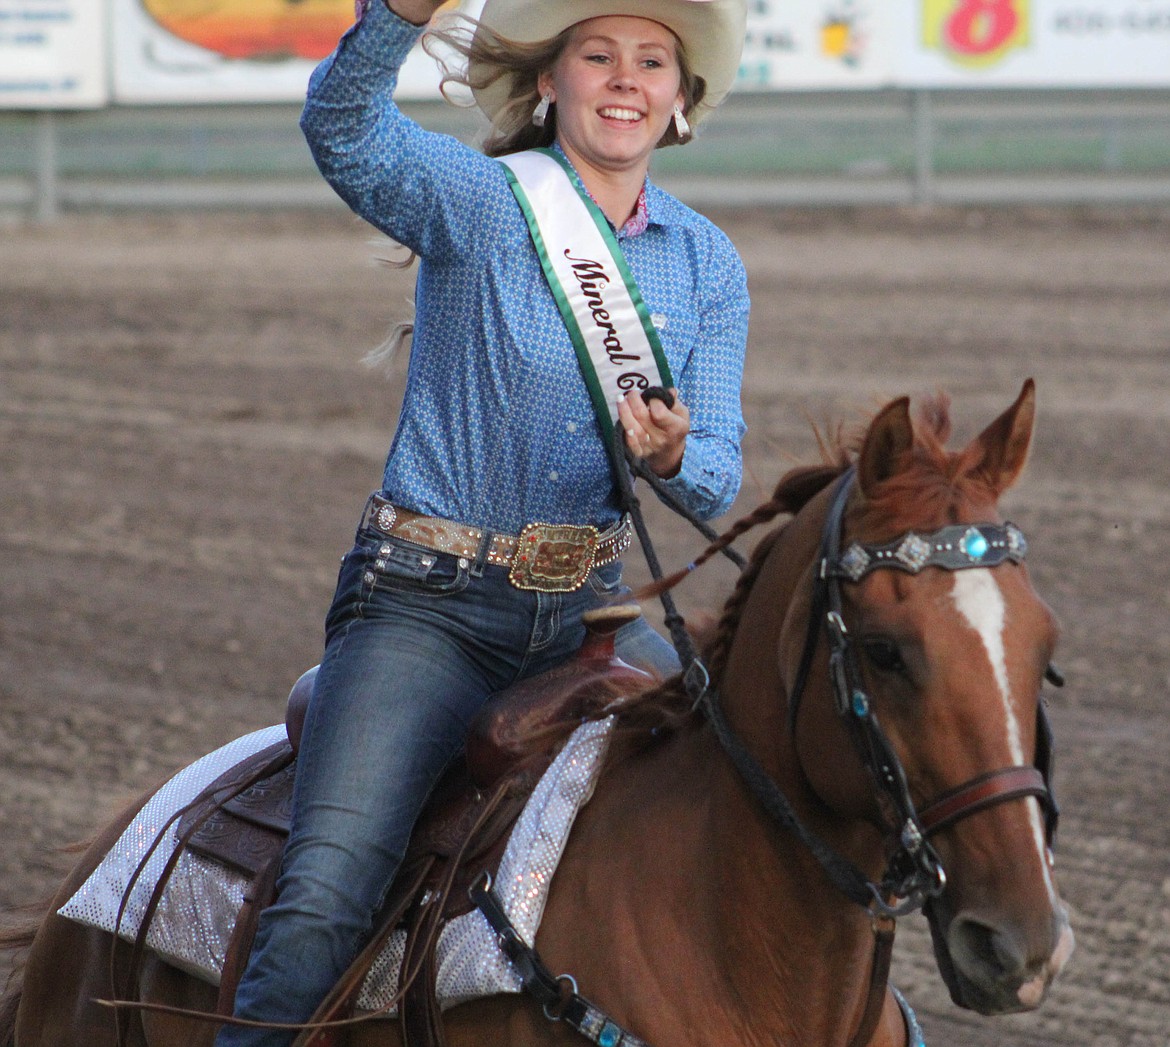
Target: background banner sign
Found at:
52, 54
831, 44
199, 51
1038, 43
816, 44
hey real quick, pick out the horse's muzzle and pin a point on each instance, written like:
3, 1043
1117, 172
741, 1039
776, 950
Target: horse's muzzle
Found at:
989, 968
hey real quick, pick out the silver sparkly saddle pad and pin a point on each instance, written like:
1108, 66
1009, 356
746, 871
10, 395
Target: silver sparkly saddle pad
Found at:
201, 900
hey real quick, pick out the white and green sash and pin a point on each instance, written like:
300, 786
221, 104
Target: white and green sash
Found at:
617, 347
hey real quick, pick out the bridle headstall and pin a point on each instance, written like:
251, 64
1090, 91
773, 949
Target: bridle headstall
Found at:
914, 872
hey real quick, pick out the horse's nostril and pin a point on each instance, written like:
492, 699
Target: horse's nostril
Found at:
976, 945
1011, 957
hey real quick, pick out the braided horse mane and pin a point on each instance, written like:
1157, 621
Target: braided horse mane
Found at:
932, 474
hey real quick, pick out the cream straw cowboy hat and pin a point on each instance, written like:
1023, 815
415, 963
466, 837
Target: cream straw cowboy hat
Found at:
711, 31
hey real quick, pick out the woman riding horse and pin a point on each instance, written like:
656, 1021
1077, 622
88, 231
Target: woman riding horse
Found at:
497, 524
873, 705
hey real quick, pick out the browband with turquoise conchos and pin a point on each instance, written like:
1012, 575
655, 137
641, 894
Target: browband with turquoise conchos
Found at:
952, 548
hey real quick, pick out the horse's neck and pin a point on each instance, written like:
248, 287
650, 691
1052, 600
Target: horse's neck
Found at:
779, 908
693, 917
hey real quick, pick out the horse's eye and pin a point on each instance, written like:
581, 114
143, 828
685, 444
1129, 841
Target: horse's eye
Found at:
883, 653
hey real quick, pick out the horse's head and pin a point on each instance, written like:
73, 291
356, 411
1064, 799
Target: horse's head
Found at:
937, 666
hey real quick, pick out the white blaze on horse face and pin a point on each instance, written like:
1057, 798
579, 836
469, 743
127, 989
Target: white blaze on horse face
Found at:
979, 600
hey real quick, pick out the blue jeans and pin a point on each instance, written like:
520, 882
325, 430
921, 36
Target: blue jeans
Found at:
416, 642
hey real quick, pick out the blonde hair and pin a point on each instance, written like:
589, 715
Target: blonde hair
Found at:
495, 57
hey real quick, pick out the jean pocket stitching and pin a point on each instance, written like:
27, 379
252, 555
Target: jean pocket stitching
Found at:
410, 580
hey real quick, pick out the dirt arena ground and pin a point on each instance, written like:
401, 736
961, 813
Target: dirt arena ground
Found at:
187, 435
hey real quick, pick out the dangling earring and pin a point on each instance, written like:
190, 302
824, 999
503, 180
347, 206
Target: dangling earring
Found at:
681, 127
540, 113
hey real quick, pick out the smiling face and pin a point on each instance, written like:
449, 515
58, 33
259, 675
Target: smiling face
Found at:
615, 86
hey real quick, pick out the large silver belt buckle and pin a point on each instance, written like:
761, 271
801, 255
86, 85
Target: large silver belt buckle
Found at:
553, 558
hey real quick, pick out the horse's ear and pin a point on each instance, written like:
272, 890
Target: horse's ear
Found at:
890, 433
1005, 442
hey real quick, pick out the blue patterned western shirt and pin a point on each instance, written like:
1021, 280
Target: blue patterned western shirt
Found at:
497, 429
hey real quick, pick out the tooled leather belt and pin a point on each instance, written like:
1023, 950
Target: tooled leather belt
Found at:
543, 557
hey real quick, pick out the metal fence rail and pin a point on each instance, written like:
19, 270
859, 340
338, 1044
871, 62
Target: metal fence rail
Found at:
886, 147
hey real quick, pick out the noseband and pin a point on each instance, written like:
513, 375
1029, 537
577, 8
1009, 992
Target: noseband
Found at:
914, 873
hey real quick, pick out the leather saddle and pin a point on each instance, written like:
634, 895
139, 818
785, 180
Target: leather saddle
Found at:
243, 821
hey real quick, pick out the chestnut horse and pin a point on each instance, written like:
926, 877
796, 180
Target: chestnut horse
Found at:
724, 884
